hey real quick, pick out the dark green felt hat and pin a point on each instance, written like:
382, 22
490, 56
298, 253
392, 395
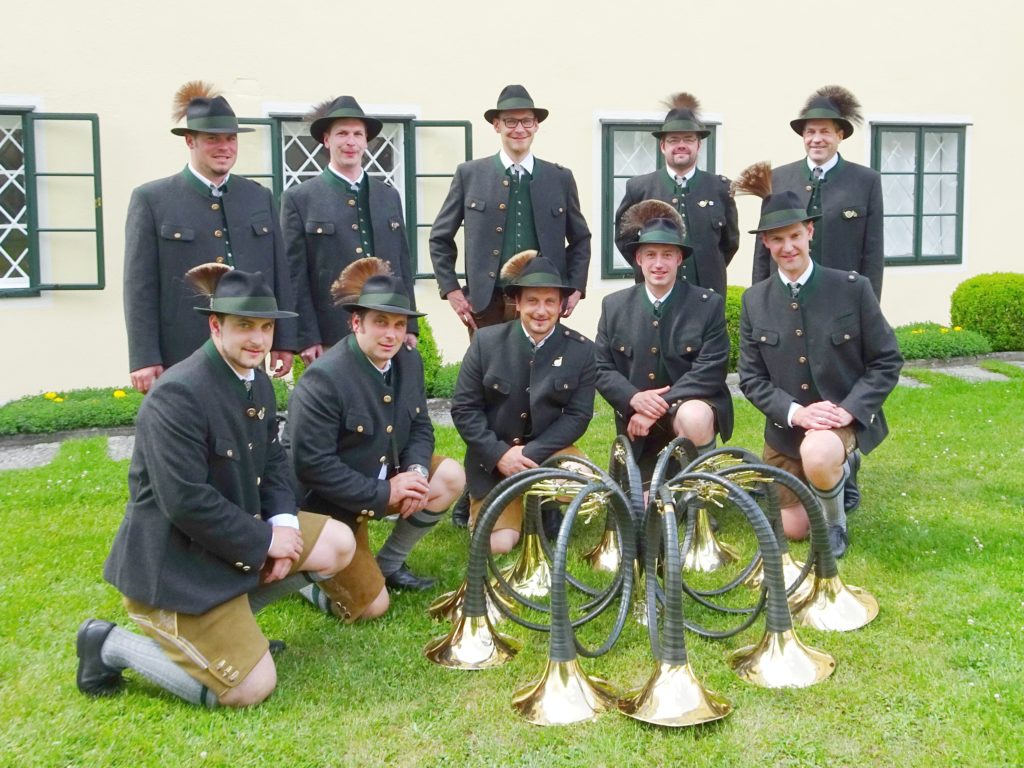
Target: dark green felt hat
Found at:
210, 115
780, 210
653, 222
830, 102
682, 121
341, 107
384, 293
515, 97
528, 269
243, 293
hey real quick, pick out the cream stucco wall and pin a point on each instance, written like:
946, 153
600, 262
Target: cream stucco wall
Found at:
751, 64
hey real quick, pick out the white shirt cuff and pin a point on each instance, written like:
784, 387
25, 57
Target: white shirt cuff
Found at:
793, 408
285, 521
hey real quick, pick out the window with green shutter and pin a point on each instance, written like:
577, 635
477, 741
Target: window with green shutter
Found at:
51, 217
922, 168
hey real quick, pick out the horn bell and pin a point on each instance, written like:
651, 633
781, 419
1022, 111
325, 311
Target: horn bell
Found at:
564, 694
674, 697
472, 643
607, 555
448, 607
781, 660
791, 570
706, 553
530, 575
833, 606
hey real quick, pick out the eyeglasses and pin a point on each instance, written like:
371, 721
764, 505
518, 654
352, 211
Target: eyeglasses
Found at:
511, 122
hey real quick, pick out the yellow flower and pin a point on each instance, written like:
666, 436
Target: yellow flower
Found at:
58, 399
957, 328
943, 330
50, 395
917, 331
119, 393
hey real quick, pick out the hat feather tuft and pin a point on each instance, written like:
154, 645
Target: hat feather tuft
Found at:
193, 89
754, 180
349, 285
846, 103
683, 100
206, 276
636, 217
319, 110
515, 266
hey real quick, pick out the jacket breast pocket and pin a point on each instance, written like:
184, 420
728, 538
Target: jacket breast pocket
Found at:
359, 423
395, 223
689, 347
766, 338
845, 329
224, 449
315, 228
558, 210
622, 347
564, 387
177, 232
717, 223
261, 224
476, 204
495, 387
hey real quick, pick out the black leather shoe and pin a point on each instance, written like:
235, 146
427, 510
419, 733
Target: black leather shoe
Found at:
851, 493
838, 539
460, 512
95, 678
277, 647
403, 578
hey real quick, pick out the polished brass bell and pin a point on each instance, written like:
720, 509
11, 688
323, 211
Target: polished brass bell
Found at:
564, 694
472, 643
606, 556
674, 697
791, 570
706, 553
781, 660
448, 607
831, 605
530, 575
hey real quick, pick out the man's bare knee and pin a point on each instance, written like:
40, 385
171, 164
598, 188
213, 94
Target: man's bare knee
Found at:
446, 485
256, 686
794, 522
504, 541
378, 607
696, 421
333, 550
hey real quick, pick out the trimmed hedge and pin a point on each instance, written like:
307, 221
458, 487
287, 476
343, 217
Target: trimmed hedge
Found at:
930, 340
76, 409
992, 305
431, 356
733, 307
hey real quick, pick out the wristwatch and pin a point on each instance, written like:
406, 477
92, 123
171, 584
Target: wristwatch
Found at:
419, 468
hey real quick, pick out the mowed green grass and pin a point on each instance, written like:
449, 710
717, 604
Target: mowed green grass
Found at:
935, 680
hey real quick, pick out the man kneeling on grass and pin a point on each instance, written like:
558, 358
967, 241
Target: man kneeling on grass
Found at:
363, 445
210, 534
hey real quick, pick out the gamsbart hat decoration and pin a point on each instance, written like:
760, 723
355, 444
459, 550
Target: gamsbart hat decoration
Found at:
683, 116
830, 102
204, 110
327, 112
653, 222
778, 210
368, 283
234, 292
515, 97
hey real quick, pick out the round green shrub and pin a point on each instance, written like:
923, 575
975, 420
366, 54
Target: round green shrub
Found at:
428, 351
733, 306
993, 305
444, 382
922, 341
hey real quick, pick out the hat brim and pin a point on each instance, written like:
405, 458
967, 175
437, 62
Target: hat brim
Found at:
659, 135
785, 221
388, 308
279, 314
186, 131
540, 114
630, 248
318, 127
798, 124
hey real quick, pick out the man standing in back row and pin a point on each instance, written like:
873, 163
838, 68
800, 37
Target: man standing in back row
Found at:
509, 203
701, 199
198, 215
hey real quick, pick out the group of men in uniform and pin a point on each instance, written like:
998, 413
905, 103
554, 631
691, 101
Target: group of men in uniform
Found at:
222, 520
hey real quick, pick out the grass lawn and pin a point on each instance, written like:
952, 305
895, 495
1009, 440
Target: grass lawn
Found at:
936, 680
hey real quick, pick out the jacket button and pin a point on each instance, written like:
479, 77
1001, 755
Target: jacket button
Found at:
655, 323
246, 568
250, 446
417, 409
504, 182
472, 205
522, 415
491, 274
654, 350
808, 187
794, 305
351, 202
371, 513
846, 337
390, 429
215, 207
387, 398
799, 332
250, 412
239, 565
355, 227
622, 349
764, 338
259, 481
689, 349
218, 233
496, 253
494, 386
383, 459
220, 259
675, 200
802, 359
265, 230
565, 386
230, 453
499, 229
561, 210
359, 249
177, 235
319, 230
516, 441
359, 428
650, 376
502, 206
805, 387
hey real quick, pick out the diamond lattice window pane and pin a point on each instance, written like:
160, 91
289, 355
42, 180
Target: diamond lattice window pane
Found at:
898, 152
13, 205
303, 157
385, 156
938, 236
940, 194
899, 237
941, 153
634, 153
898, 194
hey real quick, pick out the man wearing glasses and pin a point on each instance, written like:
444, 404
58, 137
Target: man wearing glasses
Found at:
508, 203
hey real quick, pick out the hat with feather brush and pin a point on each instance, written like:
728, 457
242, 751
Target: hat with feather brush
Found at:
368, 283
234, 292
683, 116
779, 210
830, 102
653, 222
204, 111
529, 269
